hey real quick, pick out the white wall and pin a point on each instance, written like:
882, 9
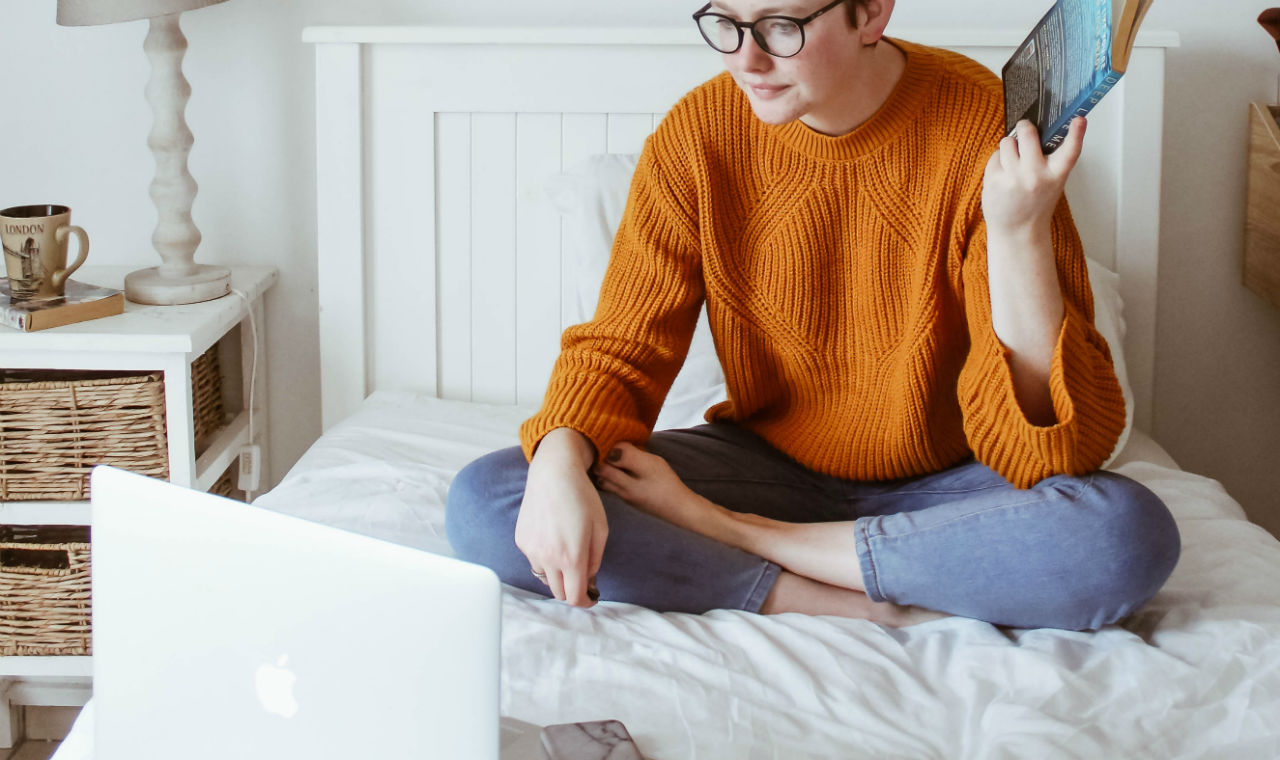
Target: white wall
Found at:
73, 124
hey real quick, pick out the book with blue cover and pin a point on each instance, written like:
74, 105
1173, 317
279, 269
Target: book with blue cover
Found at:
1071, 59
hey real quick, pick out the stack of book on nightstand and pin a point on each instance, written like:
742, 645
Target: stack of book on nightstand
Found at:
81, 302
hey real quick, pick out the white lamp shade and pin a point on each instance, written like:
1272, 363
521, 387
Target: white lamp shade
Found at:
91, 12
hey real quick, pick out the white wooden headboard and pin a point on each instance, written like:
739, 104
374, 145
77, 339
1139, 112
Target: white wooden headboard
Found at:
440, 265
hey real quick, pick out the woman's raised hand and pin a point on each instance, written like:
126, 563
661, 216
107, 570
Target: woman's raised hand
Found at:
1022, 185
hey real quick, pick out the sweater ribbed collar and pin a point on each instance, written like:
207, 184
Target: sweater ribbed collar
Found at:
904, 103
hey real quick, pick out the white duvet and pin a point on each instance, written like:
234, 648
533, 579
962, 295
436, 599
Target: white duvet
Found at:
1195, 674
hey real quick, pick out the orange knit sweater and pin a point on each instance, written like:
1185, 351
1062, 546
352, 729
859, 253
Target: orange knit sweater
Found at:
845, 280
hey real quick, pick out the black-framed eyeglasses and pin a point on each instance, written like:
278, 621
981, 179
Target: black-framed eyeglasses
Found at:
779, 36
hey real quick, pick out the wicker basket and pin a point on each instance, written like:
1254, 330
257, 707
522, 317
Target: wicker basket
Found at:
206, 397
44, 590
55, 426
225, 485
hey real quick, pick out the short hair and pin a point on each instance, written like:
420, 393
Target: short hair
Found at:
851, 8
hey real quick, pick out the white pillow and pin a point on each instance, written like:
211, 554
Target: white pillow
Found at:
592, 195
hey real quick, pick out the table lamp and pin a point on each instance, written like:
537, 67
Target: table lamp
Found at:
178, 279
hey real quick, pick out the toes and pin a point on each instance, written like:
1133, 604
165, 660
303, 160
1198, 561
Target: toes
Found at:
603, 474
630, 461
626, 456
623, 450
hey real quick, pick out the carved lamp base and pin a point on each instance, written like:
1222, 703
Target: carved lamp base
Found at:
149, 286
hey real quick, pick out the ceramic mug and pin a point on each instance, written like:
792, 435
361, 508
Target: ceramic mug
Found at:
35, 250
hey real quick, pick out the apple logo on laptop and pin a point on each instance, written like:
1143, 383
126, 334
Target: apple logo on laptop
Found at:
275, 688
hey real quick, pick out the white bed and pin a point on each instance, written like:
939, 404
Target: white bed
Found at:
1195, 674
456, 204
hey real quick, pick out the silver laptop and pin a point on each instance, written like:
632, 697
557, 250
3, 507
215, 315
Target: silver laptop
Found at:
224, 630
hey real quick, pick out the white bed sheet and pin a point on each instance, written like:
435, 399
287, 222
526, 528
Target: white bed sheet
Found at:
1195, 674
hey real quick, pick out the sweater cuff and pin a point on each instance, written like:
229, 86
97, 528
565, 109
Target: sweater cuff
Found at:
1084, 375
1085, 398
605, 416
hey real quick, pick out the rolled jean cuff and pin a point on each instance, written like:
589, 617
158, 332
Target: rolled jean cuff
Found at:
764, 584
870, 579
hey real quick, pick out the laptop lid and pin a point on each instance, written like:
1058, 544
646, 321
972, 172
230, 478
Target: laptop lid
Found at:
225, 630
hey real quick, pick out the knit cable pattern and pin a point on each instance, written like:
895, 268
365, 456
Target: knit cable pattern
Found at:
846, 287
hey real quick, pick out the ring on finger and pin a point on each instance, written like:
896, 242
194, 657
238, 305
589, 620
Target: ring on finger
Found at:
539, 575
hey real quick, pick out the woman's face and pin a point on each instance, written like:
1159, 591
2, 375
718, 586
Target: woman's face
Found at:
816, 84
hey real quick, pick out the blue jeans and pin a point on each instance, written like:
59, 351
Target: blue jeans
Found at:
1072, 552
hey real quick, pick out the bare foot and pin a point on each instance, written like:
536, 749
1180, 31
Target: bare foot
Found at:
647, 482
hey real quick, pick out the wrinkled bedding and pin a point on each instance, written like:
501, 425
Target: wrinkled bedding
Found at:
1195, 674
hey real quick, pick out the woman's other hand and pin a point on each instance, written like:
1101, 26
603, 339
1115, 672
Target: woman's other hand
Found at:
561, 527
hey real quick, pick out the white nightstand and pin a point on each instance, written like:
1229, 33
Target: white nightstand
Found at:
165, 338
